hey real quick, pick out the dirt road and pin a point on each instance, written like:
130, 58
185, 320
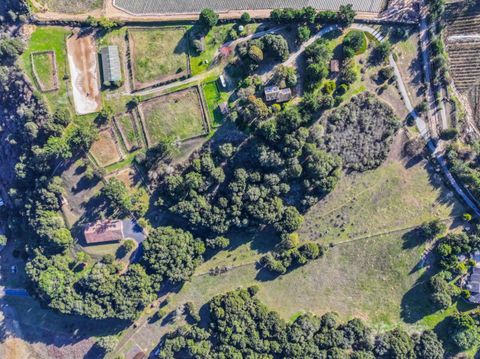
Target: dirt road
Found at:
82, 58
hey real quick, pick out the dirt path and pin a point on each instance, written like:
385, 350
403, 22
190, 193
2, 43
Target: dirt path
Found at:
82, 58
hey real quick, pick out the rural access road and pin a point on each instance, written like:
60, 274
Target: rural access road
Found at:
423, 127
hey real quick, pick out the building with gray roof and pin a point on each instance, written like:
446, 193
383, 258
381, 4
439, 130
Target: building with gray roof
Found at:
111, 67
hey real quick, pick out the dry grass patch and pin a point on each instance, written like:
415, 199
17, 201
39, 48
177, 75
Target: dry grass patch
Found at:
178, 114
158, 55
105, 150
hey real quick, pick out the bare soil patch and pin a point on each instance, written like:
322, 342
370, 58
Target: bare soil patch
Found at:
129, 176
106, 150
82, 58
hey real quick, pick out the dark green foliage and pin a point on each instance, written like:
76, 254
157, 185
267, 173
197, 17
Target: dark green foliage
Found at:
360, 132
171, 254
463, 162
303, 33
208, 18
245, 18
354, 43
346, 14
433, 229
449, 134
381, 52
218, 242
427, 346
242, 327
318, 56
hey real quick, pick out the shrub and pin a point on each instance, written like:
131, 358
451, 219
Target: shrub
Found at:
245, 18
354, 43
449, 134
208, 18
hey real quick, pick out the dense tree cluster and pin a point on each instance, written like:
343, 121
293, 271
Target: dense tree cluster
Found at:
463, 162
270, 46
242, 327
171, 254
360, 132
344, 16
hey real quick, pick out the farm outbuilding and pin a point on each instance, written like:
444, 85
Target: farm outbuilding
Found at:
104, 231
111, 64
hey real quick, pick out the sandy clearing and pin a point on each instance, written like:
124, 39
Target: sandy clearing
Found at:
82, 58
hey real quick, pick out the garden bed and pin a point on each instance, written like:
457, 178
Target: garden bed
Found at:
44, 68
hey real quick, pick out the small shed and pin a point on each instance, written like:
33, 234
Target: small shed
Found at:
334, 66
111, 64
271, 93
284, 95
104, 231
224, 108
222, 81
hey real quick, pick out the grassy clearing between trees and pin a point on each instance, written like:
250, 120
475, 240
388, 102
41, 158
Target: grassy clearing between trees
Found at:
158, 53
376, 278
178, 114
45, 39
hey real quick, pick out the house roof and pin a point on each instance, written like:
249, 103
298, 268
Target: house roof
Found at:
284, 95
334, 66
111, 64
104, 231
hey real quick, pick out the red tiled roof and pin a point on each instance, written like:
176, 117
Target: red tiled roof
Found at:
104, 231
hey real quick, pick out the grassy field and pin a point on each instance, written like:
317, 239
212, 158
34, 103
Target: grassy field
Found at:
158, 53
71, 7
104, 150
125, 121
178, 114
373, 270
44, 68
44, 39
214, 98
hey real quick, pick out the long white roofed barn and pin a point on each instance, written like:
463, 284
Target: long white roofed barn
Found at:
155, 7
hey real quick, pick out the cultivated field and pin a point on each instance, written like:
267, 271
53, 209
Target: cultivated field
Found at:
82, 57
70, 7
106, 150
178, 114
44, 68
158, 55
126, 125
462, 19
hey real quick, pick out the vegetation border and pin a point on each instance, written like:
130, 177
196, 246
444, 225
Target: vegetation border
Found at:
42, 87
162, 80
205, 123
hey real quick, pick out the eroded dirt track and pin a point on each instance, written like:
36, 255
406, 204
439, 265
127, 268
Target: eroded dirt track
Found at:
82, 58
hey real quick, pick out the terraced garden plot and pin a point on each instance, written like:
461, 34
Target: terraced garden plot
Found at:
464, 64
45, 70
178, 114
105, 150
128, 130
462, 20
158, 55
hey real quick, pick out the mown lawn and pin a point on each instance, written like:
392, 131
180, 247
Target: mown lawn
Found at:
158, 53
214, 98
44, 39
178, 114
43, 63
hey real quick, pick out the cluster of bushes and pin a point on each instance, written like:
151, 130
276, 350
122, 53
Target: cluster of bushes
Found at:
354, 43
344, 16
360, 132
270, 46
463, 162
241, 326
292, 253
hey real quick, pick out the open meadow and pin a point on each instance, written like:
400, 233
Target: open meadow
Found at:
177, 114
52, 38
158, 55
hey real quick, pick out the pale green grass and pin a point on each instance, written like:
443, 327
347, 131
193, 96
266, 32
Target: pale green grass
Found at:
43, 39
43, 63
177, 114
158, 53
389, 198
